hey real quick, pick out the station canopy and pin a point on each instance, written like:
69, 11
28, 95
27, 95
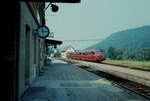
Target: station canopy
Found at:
54, 1
50, 42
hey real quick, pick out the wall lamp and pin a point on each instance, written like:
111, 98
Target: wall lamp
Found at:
54, 8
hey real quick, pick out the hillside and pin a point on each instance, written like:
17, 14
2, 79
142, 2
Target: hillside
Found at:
131, 39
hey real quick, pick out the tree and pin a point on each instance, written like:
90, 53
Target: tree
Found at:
118, 54
143, 54
132, 56
57, 54
111, 52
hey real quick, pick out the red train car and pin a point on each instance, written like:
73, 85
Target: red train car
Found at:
90, 55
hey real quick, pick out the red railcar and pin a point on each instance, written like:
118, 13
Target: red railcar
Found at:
90, 55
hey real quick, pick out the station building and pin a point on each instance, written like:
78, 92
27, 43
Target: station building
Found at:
24, 53
31, 50
67, 49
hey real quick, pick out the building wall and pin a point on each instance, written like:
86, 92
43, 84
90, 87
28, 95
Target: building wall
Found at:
29, 49
70, 49
10, 46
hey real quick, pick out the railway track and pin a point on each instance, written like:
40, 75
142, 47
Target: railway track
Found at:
130, 85
143, 69
139, 88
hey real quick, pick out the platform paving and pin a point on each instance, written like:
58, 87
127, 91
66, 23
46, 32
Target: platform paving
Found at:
65, 82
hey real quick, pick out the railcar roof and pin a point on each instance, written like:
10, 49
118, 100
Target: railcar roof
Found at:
87, 51
90, 51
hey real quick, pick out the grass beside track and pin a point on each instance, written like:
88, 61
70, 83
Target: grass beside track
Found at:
137, 64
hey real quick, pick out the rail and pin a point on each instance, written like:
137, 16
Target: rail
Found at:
138, 76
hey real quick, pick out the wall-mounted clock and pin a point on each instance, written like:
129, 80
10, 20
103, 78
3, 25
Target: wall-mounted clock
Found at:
43, 31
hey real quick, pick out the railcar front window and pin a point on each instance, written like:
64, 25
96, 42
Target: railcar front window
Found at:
100, 53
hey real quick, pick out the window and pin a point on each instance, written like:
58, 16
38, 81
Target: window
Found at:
100, 53
92, 53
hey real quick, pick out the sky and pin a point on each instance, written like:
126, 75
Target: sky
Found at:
96, 19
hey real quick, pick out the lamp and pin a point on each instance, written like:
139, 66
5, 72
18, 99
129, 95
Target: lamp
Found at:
54, 8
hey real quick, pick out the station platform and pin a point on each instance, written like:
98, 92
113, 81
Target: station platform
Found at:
61, 81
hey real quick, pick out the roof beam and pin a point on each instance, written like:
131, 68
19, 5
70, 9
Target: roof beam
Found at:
53, 1
52, 42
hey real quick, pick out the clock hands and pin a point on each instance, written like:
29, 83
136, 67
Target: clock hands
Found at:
43, 31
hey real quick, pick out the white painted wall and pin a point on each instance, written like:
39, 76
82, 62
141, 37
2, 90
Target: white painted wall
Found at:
70, 49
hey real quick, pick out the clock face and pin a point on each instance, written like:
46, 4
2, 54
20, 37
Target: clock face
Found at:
43, 31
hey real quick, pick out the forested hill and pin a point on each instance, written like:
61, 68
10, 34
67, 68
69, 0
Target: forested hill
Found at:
131, 39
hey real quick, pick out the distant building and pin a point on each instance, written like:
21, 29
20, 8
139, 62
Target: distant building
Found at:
66, 50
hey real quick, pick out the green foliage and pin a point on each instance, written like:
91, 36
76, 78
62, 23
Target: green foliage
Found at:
114, 54
119, 54
111, 53
140, 55
143, 54
131, 56
57, 54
